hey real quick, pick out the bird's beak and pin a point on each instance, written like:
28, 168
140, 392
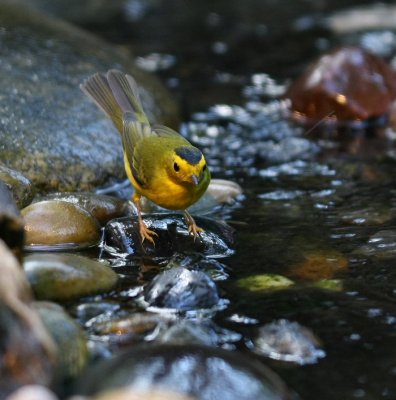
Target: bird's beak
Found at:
194, 180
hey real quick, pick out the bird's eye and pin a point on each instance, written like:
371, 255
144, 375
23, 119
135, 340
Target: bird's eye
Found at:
176, 167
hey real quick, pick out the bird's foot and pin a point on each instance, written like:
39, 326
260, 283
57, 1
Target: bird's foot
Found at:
193, 228
146, 233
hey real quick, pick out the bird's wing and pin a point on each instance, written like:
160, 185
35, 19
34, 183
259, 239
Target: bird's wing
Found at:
133, 134
164, 131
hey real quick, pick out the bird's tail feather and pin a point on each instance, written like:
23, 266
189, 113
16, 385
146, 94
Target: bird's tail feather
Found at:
115, 94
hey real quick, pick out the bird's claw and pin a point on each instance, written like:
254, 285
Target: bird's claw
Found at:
146, 233
195, 230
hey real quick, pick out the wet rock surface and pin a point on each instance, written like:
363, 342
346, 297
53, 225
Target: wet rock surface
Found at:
207, 373
51, 133
59, 224
56, 276
181, 289
121, 237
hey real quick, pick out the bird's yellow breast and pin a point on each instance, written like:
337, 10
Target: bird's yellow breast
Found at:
165, 192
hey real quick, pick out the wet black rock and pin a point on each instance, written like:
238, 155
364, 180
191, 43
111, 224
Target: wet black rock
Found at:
199, 371
181, 289
122, 237
288, 341
50, 131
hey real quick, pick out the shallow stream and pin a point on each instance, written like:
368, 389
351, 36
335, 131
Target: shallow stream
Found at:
317, 210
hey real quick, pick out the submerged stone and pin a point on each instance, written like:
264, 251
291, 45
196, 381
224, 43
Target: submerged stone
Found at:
56, 276
288, 341
181, 289
202, 372
123, 330
263, 282
382, 245
122, 237
329, 284
59, 224
102, 207
319, 265
346, 85
69, 338
369, 216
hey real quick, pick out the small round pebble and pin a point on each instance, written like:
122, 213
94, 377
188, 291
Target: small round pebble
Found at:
57, 276
53, 222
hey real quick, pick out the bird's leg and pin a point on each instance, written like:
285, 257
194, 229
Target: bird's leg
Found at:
145, 232
193, 228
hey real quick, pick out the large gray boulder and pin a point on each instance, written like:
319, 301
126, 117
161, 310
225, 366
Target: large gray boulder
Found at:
49, 130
